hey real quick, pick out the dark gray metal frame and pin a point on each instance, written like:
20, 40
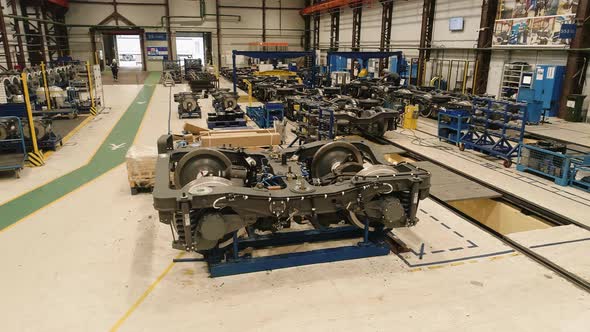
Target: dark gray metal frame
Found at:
298, 196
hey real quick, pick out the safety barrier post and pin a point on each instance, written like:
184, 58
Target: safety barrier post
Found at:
47, 95
90, 90
35, 157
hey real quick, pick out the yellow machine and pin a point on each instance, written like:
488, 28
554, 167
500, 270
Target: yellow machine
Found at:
411, 117
279, 73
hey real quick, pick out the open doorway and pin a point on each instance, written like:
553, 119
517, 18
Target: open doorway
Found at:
128, 50
190, 46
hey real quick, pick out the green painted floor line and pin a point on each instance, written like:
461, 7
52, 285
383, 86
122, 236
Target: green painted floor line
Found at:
110, 154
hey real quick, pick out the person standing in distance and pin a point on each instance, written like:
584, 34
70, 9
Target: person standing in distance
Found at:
115, 69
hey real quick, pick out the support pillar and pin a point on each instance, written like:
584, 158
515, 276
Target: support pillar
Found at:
425, 38
316, 31
5, 41
385, 41
218, 29
20, 52
334, 29
577, 61
168, 29
489, 9
357, 14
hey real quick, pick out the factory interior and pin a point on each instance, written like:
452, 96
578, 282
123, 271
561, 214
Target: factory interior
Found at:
295, 165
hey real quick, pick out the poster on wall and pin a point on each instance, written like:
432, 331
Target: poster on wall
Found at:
157, 52
502, 30
545, 23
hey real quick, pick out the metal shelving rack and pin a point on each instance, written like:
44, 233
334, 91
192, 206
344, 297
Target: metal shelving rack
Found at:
452, 125
511, 76
496, 128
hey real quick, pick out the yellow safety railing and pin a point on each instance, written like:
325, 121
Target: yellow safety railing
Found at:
276, 72
35, 157
90, 90
249, 84
47, 96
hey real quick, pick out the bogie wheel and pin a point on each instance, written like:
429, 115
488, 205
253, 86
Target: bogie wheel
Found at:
507, 163
461, 146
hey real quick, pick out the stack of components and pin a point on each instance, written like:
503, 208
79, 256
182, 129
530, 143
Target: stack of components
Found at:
216, 192
227, 111
13, 89
188, 105
198, 79
46, 138
15, 106
272, 88
350, 116
430, 102
171, 69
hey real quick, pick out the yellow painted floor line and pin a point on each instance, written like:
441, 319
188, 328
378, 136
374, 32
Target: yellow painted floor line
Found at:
144, 295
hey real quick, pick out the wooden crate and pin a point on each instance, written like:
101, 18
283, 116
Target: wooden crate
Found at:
141, 166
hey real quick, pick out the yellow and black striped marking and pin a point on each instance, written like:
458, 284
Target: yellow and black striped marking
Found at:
36, 159
93, 111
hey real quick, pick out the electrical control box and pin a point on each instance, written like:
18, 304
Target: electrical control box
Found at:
547, 85
541, 89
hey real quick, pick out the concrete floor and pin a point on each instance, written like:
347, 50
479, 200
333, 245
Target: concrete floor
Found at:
98, 259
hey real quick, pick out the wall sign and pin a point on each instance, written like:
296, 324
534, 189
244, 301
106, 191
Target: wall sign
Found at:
157, 52
568, 31
155, 36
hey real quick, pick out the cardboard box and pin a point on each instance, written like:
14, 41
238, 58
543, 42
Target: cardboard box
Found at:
240, 138
195, 130
234, 137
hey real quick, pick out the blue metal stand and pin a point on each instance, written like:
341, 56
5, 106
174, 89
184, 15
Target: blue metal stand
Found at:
452, 125
14, 149
494, 128
325, 128
233, 263
264, 115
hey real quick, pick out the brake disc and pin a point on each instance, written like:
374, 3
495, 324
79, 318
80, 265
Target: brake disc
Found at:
330, 156
201, 162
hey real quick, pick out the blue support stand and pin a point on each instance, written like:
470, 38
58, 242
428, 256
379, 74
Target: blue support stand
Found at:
234, 263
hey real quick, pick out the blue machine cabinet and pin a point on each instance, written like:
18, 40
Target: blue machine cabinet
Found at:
338, 60
452, 125
541, 90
